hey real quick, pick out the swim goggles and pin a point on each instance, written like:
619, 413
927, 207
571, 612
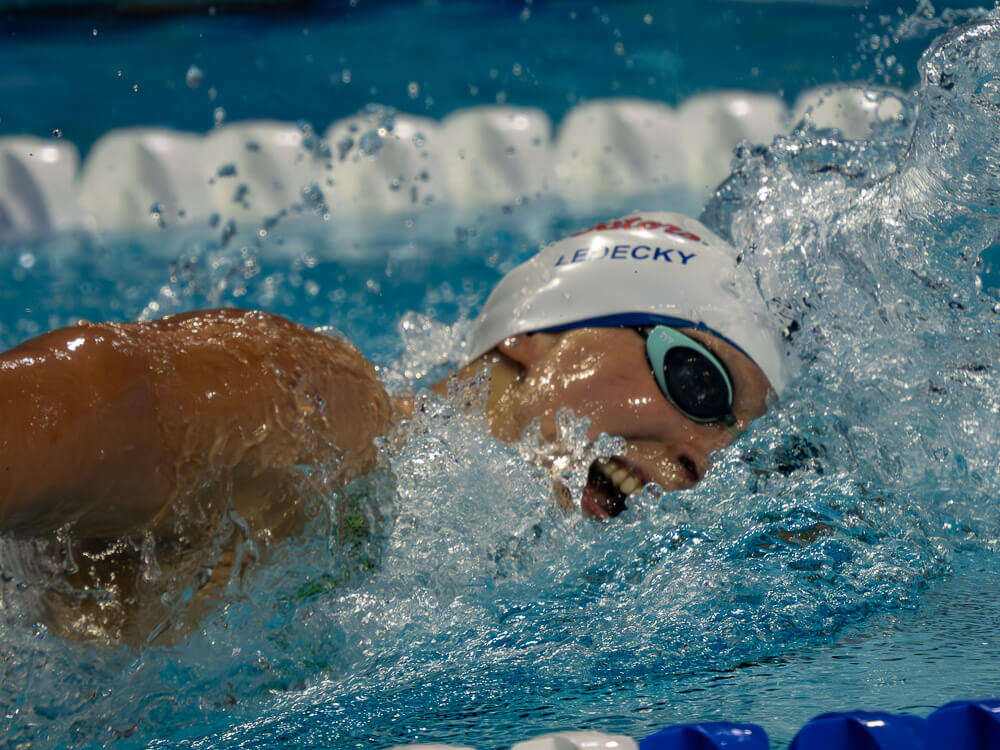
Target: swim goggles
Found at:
690, 376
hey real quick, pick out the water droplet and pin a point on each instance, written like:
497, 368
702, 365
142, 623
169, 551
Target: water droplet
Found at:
413, 89
219, 114
94, 32
648, 18
135, 88
194, 77
370, 142
56, 133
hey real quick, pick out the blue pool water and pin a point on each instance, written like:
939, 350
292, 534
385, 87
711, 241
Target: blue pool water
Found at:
843, 552
338, 57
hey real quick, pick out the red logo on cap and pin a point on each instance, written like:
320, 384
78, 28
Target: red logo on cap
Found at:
637, 222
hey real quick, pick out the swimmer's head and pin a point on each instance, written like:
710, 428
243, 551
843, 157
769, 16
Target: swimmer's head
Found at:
647, 326
645, 269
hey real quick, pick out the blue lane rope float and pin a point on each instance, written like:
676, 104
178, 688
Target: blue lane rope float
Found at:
861, 730
707, 736
965, 725
960, 725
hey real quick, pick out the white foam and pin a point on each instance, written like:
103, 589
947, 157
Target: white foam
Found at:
37, 186
144, 178
619, 147
496, 155
850, 109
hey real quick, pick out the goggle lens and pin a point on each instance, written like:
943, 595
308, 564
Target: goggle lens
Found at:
691, 377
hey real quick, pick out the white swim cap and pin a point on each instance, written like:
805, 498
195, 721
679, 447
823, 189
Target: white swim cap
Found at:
643, 269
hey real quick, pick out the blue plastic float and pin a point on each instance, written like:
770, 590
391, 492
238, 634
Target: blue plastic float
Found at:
960, 725
708, 736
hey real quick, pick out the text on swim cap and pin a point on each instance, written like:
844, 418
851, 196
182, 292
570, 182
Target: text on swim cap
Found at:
637, 222
624, 252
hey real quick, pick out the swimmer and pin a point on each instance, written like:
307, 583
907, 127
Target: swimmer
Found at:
156, 430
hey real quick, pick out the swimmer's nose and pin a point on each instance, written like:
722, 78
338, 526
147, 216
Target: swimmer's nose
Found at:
689, 444
691, 459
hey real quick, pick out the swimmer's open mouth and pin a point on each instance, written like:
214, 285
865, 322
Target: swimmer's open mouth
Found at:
609, 484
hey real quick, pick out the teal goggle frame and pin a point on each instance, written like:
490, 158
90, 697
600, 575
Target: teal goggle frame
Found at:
693, 379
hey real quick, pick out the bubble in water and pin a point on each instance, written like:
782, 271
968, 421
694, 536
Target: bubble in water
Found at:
56, 133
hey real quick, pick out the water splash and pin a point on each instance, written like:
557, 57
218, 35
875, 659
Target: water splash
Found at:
568, 458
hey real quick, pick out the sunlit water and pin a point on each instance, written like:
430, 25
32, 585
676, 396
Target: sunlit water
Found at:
842, 553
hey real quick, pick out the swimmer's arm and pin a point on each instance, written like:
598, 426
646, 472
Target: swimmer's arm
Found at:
108, 427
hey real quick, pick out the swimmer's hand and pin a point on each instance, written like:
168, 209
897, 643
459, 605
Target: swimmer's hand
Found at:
111, 430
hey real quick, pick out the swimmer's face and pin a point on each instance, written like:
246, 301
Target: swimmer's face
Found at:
604, 374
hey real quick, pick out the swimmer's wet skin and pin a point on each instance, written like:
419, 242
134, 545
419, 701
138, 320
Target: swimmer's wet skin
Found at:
158, 428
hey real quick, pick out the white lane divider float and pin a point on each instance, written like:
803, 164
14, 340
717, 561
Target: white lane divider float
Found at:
376, 165
584, 740
619, 147
37, 186
713, 124
380, 164
260, 170
494, 156
574, 740
144, 178
852, 110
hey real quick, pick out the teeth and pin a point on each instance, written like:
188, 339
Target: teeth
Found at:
623, 479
